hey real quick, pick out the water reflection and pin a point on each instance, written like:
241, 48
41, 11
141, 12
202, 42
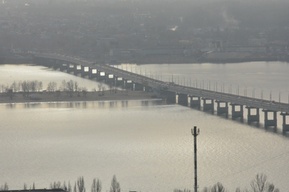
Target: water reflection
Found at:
112, 104
145, 103
85, 104
124, 103
101, 104
10, 105
31, 105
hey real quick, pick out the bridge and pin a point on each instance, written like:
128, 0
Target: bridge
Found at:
201, 99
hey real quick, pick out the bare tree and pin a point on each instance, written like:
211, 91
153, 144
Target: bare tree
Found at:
271, 188
74, 188
25, 186
25, 88
76, 87
63, 85
99, 88
260, 184
69, 189
115, 187
14, 86
218, 187
51, 86
64, 187
80, 184
70, 87
55, 185
96, 185
4, 187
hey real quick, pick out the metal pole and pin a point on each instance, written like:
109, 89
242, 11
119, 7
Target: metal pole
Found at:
195, 133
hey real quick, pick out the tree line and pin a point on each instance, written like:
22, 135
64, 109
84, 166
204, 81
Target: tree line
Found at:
37, 86
27, 87
259, 184
78, 186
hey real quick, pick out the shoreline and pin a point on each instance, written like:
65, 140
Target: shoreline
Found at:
37, 97
214, 58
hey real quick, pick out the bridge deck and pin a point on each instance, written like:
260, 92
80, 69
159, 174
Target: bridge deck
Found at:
161, 85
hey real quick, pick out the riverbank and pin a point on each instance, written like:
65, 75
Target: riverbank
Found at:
212, 57
75, 96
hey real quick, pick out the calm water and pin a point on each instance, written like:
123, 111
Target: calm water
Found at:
148, 146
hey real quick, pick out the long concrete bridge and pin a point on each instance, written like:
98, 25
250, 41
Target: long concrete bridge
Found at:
201, 99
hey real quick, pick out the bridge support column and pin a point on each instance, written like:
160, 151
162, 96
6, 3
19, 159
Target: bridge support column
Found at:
101, 76
128, 84
85, 72
169, 96
78, 69
285, 125
222, 109
70, 68
208, 105
93, 73
138, 87
183, 99
109, 79
63, 67
195, 102
270, 122
253, 117
148, 89
237, 113
119, 82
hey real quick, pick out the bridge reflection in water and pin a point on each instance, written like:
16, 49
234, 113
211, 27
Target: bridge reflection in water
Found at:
172, 93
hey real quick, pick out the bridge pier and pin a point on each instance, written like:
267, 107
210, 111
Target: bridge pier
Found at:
128, 84
237, 113
195, 102
148, 89
138, 87
169, 96
85, 72
63, 67
253, 117
93, 73
78, 69
183, 99
70, 68
222, 109
119, 82
208, 104
285, 125
101, 76
109, 79
270, 122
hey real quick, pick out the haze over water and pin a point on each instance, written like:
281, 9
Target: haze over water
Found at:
147, 145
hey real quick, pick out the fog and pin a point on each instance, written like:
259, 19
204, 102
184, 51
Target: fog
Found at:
96, 28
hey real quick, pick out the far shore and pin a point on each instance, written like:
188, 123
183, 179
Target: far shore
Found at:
214, 57
75, 96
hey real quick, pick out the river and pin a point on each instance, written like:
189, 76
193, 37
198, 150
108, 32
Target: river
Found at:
146, 144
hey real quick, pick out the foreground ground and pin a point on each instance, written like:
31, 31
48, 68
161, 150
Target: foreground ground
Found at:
65, 96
